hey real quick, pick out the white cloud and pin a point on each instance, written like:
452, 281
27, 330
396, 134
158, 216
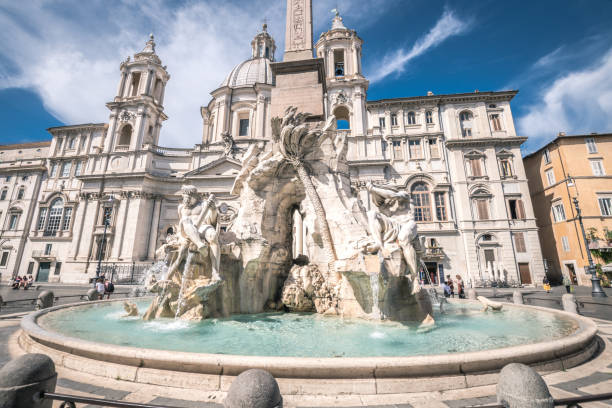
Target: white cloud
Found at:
579, 102
69, 51
447, 26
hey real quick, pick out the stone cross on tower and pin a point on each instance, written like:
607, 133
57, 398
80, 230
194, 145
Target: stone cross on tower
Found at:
298, 34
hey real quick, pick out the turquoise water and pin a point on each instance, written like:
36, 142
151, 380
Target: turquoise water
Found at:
462, 328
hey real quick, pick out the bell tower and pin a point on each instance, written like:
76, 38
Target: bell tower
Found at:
137, 111
263, 45
341, 47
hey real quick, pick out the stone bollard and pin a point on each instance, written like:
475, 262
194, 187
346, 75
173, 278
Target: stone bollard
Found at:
254, 388
45, 300
23, 379
472, 294
517, 297
569, 303
520, 386
92, 294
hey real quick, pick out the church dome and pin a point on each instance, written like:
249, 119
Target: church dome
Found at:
250, 72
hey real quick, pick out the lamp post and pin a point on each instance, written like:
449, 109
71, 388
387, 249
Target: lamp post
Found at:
597, 290
106, 220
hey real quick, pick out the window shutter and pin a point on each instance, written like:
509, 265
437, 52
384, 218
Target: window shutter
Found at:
483, 210
520, 210
476, 170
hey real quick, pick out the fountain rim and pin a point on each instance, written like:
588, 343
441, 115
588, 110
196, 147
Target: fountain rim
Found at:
562, 349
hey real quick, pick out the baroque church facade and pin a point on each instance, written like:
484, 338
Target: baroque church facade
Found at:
108, 193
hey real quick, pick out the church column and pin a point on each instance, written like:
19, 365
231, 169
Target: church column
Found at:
125, 200
355, 68
330, 63
154, 226
78, 225
358, 114
261, 118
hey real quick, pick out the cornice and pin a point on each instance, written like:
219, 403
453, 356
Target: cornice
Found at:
488, 96
492, 141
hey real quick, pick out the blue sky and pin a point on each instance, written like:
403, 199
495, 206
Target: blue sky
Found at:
59, 59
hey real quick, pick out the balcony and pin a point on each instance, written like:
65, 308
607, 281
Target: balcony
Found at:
44, 255
434, 253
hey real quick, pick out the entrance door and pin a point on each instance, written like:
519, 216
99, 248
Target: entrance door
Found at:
432, 269
572, 273
43, 272
525, 274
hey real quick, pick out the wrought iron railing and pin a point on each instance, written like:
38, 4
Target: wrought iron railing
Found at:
124, 274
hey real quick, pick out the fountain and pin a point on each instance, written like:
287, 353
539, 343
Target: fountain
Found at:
219, 305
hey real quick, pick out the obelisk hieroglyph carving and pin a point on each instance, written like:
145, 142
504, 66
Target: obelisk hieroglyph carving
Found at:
298, 34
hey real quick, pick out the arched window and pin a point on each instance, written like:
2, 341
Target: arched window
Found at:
126, 135
481, 199
411, 118
342, 115
55, 217
429, 117
422, 202
465, 118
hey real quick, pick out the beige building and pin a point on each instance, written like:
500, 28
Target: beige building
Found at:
109, 191
571, 166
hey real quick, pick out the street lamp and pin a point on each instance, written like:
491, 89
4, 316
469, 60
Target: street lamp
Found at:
597, 290
106, 221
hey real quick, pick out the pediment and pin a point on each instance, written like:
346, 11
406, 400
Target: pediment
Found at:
223, 166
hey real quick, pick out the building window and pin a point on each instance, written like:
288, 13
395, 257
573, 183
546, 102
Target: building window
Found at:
7, 178
24, 178
381, 123
3, 193
546, 156
422, 202
506, 168
339, 63
415, 149
42, 217
519, 242
476, 167
55, 217
107, 214
411, 118
72, 143
53, 172
30, 268
496, 123
559, 212
383, 147
516, 209
67, 218
135, 83
58, 267
429, 117
482, 208
244, 127
397, 150
4, 258
605, 205
597, 167
440, 206
77, 168
66, 169
125, 137
591, 146
434, 151
394, 119
565, 244
465, 119
48, 249
13, 221
20, 193
550, 176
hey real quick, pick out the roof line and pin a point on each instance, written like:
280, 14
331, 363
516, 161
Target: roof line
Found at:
563, 136
509, 93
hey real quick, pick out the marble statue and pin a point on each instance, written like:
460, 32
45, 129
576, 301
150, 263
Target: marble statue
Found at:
296, 242
486, 304
130, 309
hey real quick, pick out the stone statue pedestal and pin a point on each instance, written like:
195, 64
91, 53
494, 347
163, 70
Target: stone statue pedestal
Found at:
300, 84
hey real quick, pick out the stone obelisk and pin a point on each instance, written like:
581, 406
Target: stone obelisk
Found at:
300, 78
298, 34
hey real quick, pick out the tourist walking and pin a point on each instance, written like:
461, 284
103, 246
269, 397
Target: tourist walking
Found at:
567, 283
100, 288
546, 284
451, 285
108, 288
460, 287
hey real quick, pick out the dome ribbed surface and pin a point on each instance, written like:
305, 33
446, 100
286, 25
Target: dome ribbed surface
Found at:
250, 72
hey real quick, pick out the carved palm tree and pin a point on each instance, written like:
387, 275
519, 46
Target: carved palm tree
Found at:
296, 140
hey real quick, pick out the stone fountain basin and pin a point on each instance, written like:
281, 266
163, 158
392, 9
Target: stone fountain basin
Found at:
301, 375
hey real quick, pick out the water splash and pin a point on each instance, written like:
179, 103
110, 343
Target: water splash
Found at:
181, 296
159, 271
374, 284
